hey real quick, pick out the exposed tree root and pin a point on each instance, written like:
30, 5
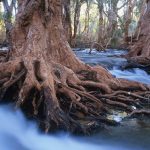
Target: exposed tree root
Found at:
142, 62
4, 56
139, 112
49, 82
65, 97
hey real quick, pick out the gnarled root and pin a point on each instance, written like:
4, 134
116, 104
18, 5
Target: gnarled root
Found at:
3, 56
139, 55
67, 100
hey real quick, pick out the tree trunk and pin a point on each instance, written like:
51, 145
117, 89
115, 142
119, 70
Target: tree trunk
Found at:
51, 82
112, 26
142, 12
76, 19
128, 19
87, 19
67, 20
101, 25
8, 10
140, 51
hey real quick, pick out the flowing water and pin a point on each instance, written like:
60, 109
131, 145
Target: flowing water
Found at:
17, 133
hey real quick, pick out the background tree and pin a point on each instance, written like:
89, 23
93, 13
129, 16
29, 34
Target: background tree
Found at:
67, 20
119, 20
81, 20
8, 13
101, 23
2, 26
140, 51
128, 18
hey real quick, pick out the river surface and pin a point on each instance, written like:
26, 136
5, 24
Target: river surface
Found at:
17, 133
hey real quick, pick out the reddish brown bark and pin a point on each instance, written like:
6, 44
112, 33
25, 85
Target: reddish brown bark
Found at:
140, 51
51, 81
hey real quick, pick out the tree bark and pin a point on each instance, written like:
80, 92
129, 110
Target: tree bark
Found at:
140, 51
8, 10
78, 4
51, 82
128, 19
112, 26
67, 20
87, 18
101, 25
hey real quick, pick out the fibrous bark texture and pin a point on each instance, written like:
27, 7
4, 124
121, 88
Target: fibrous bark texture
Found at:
67, 20
45, 77
140, 51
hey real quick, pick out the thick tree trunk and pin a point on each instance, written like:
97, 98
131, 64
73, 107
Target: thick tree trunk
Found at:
51, 82
140, 51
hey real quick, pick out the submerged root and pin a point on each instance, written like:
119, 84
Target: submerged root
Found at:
69, 100
139, 112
